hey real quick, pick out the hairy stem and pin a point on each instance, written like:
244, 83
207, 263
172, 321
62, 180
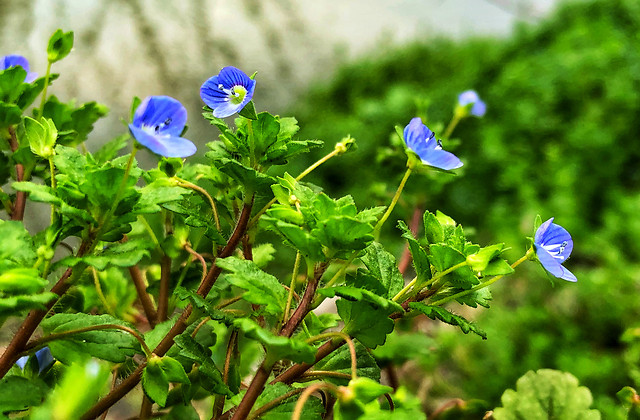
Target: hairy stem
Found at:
21, 197
181, 324
143, 296
394, 200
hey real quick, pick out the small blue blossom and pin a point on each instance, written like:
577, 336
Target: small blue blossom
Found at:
157, 125
422, 141
553, 246
228, 92
43, 356
9, 61
478, 109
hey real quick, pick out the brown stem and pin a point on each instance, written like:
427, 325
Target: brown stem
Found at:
143, 296
392, 377
29, 325
181, 324
163, 294
259, 381
21, 196
145, 408
305, 303
232, 348
295, 371
456, 402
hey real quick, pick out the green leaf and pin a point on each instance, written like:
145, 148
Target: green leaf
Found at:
155, 382
265, 132
110, 149
433, 229
367, 322
12, 306
481, 259
340, 361
296, 237
356, 294
261, 288
383, 266
419, 255
497, 267
18, 393
10, 114
21, 280
313, 408
71, 162
60, 45
366, 390
17, 245
125, 254
173, 370
278, 347
73, 123
158, 192
200, 303
11, 84
246, 176
438, 313
547, 394
46, 194
249, 111
444, 257
113, 345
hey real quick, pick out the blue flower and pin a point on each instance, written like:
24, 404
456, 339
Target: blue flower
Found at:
9, 61
553, 246
422, 141
228, 92
467, 97
157, 125
44, 358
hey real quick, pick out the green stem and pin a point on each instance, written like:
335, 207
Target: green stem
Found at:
150, 231
294, 276
481, 285
452, 125
53, 186
186, 184
433, 279
252, 143
44, 91
376, 229
101, 296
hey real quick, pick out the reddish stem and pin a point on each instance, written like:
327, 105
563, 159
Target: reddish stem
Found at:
163, 294
143, 296
21, 196
181, 324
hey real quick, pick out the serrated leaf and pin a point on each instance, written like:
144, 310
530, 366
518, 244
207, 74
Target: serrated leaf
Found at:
443, 257
383, 266
125, 254
21, 280
17, 245
296, 237
261, 288
111, 148
113, 345
356, 294
200, 303
18, 393
547, 394
158, 192
419, 255
11, 306
10, 114
278, 347
436, 312
45, 194
365, 321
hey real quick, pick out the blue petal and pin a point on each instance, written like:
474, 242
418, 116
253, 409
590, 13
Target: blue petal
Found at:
553, 266
211, 93
538, 240
22, 362
468, 97
416, 134
9, 61
230, 76
163, 112
479, 108
557, 235
45, 359
441, 159
226, 109
164, 145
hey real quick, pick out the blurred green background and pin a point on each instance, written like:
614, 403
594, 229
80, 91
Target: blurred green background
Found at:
560, 139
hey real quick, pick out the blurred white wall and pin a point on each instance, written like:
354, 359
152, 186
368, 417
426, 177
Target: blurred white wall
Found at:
134, 47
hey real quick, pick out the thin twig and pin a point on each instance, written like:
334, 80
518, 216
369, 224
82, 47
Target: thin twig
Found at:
143, 296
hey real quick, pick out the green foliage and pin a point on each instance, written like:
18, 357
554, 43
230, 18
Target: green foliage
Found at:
60, 45
18, 393
158, 373
313, 408
546, 394
435, 312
